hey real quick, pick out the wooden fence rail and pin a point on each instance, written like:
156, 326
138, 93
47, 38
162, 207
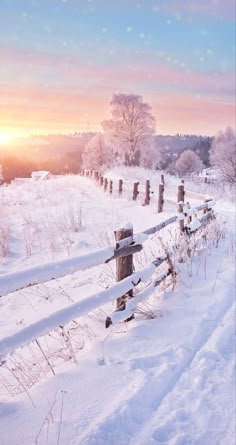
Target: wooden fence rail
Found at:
15, 281
127, 244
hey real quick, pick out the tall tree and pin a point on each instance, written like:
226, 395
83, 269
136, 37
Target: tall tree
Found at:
131, 127
223, 155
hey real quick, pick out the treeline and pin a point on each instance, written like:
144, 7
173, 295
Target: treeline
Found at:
16, 166
172, 147
61, 154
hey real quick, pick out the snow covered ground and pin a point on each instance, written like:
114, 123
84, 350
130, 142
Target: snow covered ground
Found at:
166, 377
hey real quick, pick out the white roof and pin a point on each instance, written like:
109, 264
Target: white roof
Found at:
40, 174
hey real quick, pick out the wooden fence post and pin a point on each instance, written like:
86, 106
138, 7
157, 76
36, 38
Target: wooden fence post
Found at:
105, 184
207, 210
162, 179
160, 198
101, 180
124, 267
110, 186
120, 187
147, 192
181, 205
135, 191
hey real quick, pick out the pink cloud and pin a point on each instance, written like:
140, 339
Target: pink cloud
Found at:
86, 74
186, 113
181, 98
62, 110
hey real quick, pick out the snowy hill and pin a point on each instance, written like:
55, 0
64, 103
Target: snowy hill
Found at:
165, 377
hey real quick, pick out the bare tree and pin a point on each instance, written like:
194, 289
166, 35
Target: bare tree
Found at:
188, 163
96, 153
223, 155
131, 127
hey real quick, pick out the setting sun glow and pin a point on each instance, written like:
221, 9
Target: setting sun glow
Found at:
6, 138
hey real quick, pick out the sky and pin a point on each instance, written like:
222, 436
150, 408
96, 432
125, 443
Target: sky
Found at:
61, 61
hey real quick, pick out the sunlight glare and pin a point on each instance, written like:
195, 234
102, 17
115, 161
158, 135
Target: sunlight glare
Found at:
6, 138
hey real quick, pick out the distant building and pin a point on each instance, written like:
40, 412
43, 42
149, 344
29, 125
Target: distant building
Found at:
41, 176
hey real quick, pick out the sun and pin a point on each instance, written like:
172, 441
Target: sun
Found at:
6, 138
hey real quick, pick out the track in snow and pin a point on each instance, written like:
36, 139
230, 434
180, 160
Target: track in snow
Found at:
137, 420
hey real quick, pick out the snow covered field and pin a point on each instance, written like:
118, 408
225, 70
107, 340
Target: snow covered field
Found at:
167, 377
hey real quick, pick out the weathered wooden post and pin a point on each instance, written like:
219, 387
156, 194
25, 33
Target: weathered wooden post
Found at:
120, 187
160, 198
162, 179
105, 184
101, 181
181, 205
206, 201
147, 192
110, 186
124, 267
96, 176
135, 191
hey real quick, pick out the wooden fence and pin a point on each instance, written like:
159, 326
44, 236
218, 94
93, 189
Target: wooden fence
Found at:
145, 192
127, 244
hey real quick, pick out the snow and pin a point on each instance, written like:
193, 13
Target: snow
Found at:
44, 272
166, 377
128, 226
44, 326
194, 225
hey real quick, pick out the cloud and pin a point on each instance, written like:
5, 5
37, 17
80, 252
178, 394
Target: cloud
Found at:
60, 91
37, 68
188, 113
68, 110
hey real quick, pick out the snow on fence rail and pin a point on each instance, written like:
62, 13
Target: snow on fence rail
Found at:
12, 282
127, 280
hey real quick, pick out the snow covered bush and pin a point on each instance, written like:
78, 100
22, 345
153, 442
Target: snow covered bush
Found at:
223, 155
188, 163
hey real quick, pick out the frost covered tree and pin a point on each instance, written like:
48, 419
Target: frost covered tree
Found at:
131, 127
96, 153
150, 156
223, 155
188, 163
